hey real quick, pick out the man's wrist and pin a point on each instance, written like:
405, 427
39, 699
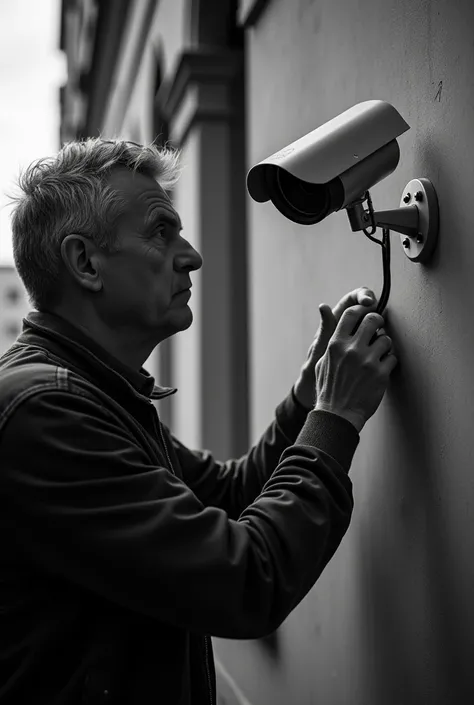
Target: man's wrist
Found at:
302, 399
354, 419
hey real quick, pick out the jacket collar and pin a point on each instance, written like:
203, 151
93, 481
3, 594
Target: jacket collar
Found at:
72, 345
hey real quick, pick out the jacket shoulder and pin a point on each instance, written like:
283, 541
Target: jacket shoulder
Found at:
21, 381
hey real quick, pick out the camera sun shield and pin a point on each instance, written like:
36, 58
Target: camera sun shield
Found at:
312, 177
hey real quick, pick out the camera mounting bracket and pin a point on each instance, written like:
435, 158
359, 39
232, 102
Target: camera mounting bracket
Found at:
419, 210
417, 219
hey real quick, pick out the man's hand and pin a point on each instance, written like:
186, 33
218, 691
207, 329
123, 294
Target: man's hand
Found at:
353, 374
305, 387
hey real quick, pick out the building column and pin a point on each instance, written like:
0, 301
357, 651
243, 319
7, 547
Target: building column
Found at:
204, 106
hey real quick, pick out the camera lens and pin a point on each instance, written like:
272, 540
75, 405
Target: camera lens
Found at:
308, 200
301, 201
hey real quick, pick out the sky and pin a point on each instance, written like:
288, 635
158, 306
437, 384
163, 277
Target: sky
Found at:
32, 68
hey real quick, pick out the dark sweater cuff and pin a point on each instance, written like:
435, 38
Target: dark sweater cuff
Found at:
332, 434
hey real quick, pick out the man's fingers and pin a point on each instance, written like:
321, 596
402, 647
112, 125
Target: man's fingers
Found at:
361, 296
369, 326
356, 315
325, 311
365, 296
348, 300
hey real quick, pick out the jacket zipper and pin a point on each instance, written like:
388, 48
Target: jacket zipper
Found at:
208, 671
162, 435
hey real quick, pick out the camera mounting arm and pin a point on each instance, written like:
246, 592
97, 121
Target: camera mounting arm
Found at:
417, 218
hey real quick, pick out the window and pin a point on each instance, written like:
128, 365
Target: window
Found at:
12, 294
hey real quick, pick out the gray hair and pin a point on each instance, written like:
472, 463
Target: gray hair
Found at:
69, 193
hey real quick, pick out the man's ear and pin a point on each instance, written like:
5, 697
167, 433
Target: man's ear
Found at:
82, 260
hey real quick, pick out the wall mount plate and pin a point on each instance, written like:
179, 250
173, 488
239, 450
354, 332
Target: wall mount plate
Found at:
421, 193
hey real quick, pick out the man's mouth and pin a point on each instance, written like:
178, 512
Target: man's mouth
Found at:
183, 292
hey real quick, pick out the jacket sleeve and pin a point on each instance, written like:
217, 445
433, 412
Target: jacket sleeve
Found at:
235, 484
82, 503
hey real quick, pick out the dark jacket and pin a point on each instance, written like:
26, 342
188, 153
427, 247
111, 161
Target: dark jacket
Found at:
122, 551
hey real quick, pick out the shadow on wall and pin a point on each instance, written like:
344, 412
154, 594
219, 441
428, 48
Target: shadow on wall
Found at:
411, 622
270, 645
409, 618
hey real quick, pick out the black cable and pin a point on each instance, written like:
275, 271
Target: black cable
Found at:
386, 271
385, 245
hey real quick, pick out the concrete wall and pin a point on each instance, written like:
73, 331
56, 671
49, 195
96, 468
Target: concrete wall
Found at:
392, 619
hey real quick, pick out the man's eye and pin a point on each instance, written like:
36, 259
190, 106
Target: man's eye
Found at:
159, 231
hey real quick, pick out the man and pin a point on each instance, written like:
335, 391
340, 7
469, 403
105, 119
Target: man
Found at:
122, 551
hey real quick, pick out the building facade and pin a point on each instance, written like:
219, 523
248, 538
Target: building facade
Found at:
14, 306
391, 620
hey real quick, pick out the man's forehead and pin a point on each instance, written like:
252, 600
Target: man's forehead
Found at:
142, 192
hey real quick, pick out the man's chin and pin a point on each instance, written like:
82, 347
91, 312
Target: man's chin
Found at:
178, 322
182, 319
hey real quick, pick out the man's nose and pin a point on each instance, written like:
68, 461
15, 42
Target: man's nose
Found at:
188, 258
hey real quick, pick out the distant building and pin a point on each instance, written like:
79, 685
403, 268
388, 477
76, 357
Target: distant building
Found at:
173, 71
14, 306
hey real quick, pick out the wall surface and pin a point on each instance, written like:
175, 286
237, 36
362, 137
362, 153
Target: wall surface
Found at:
392, 619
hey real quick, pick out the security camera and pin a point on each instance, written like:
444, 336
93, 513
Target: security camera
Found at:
335, 165
331, 166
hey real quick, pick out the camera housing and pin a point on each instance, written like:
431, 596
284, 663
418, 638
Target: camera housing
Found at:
329, 168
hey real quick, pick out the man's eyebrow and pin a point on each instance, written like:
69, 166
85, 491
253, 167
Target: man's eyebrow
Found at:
158, 217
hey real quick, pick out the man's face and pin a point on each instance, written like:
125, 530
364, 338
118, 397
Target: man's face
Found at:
143, 282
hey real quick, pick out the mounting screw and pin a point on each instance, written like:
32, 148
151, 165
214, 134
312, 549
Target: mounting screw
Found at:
418, 196
406, 242
407, 198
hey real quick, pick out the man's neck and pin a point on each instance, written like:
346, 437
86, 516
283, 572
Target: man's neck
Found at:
122, 344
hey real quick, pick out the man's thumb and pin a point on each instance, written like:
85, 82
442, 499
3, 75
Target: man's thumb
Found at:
328, 321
